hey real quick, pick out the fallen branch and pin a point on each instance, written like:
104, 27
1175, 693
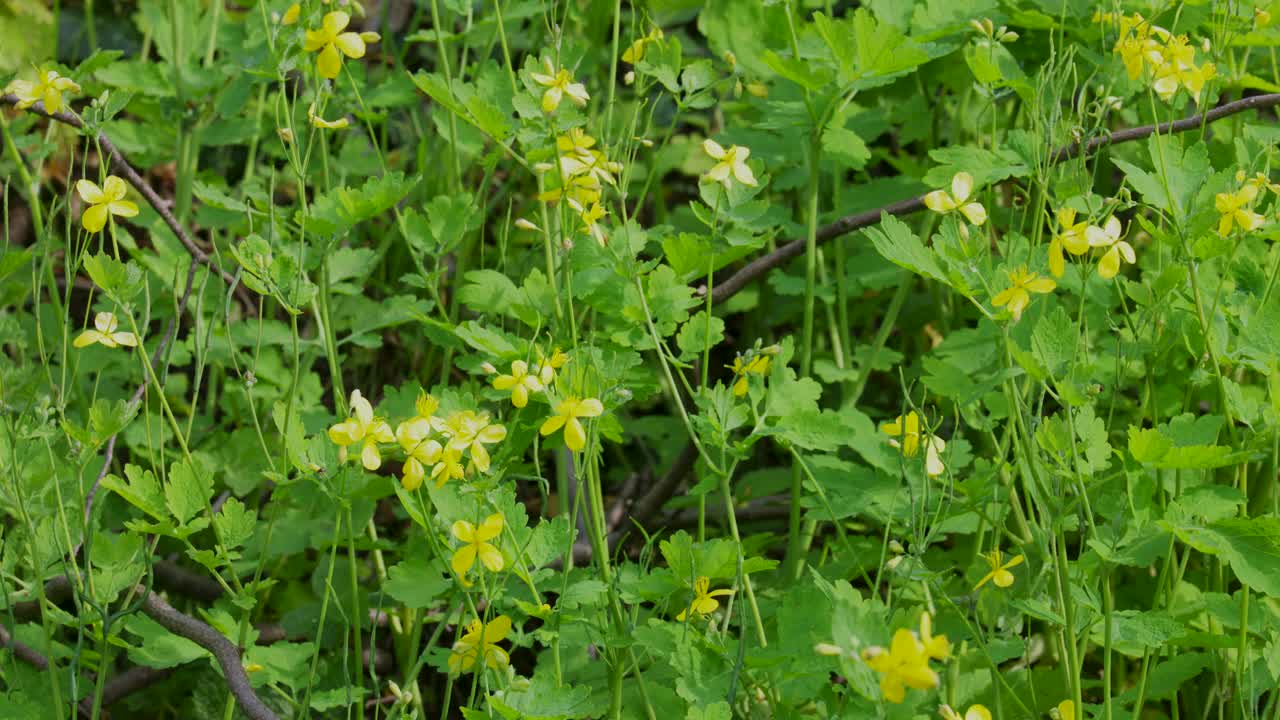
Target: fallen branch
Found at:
22, 651
224, 651
762, 265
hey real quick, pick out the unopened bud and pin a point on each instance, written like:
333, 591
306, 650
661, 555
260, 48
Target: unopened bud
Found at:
370, 37
526, 225
629, 78
828, 649
488, 368
730, 58
896, 548
286, 135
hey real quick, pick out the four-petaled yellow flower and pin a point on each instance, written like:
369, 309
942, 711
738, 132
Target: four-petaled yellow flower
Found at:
903, 665
476, 545
943, 202
319, 122
449, 467
48, 89
1236, 209
935, 646
975, 712
558, 84
471, 431
1018, 295
332, 43
635, 53
547, 366
757, 365
362, 427
999, 574
1070, 237
480, 643
104, 202
567, 413
731, 164
520, 382
106, 334
704, 599
591, 216
420, 450
1108, 236
904, 434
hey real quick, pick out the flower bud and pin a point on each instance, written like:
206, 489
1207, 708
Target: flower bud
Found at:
286, 135
629, 78
828, 649
526, 225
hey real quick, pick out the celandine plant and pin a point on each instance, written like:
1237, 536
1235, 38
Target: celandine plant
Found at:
560, 360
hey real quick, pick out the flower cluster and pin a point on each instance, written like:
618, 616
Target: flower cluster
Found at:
567, 410
905, 435
1078, 238
906, 662
580, 175
427, 440
1171, 59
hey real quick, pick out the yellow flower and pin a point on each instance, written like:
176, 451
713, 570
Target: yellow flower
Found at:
635, 53
943, 202
591, 217
449, 467
1108, 236
106, 334
935, 646
558, 84
481, 642
905, 435
470, 430
362, 427
519, 382
1018, 295
1137, 45
903, 665
975, 712
476, 545
1066, 710
757, 365
567, 413
329, 40
704, 599
317, 121
104, 202
1235, 210
731, 164
421, 451
1070, 236
547, 366
999, 574
48, 88
291, 15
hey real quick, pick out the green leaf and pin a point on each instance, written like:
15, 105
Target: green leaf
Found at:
141, 490
340, 209
187, 493
235, 523
845, 145
698, 335
544, 699
986, 166
417, 582
1177, 177
898, 244
160, 648
488, 291
121, 281
1184, 443
1250, 545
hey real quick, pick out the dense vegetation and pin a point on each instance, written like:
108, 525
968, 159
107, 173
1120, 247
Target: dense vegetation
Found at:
543, 359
